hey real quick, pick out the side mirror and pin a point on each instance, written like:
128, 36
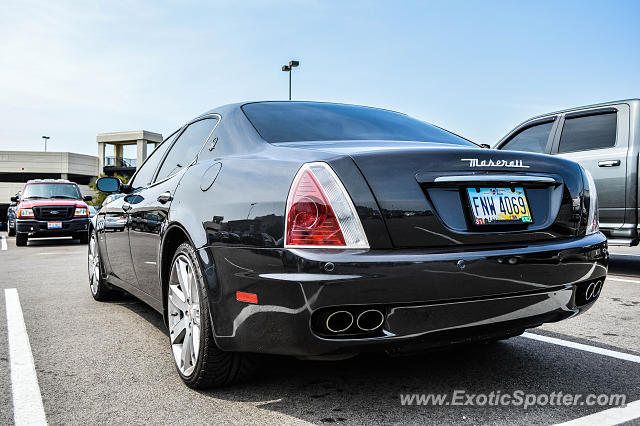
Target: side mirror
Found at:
87, 198
14, 199
109, 184
486, 146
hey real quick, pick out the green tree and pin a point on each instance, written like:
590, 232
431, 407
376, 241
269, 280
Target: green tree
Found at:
99, 199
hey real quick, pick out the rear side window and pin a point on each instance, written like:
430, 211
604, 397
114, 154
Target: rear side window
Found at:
279, 122
145, 174
531, 139
184, 151
588, 132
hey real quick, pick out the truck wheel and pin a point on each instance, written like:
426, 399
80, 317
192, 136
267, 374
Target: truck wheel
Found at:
21, 239
199, 361
100, 290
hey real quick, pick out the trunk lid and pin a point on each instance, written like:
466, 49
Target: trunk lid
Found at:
421, 191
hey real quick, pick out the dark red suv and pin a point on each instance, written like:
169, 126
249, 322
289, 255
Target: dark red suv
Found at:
51, 208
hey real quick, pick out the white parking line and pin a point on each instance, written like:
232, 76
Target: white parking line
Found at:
624, 254
27, 402
626, 280
580, 346
3, 242
612, 416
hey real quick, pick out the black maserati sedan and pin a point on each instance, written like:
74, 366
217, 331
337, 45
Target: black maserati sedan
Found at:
322, 230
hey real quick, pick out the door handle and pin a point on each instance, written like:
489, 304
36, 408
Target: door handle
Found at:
126, 206
609, 163
165, 197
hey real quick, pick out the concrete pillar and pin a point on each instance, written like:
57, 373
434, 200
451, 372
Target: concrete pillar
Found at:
142, 152
101, 157
118, 151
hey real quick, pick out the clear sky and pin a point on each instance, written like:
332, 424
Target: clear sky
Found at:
71, 70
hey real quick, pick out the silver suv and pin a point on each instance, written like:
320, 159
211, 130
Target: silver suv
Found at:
605, 140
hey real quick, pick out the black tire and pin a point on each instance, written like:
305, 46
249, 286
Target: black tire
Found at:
214, 367
11, 231
83, 237
21, 239
100, 290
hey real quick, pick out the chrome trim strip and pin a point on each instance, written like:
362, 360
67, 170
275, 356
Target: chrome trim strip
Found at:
495, 178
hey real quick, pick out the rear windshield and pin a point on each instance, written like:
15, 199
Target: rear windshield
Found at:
51, 190
279, 122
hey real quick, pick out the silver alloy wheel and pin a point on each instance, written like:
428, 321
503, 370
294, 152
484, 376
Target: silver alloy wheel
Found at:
183, 308
94, 265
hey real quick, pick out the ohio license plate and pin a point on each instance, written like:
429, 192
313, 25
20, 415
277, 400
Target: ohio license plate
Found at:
495, 206
54, 225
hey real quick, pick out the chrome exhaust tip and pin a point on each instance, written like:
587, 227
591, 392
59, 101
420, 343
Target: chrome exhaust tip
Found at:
588, 294
339, 321
597, 289
370, 320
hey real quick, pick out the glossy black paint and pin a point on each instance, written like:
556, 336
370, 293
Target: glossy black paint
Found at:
427, 267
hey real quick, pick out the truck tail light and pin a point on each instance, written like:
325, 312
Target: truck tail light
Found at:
320, 212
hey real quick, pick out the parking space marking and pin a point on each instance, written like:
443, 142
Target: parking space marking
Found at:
612, 416
582, 347
27, 401
626, 280
3, 242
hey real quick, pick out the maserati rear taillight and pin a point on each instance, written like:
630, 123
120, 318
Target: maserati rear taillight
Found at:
320, 212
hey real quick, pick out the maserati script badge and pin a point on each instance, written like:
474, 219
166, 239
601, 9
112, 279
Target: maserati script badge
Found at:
474, 162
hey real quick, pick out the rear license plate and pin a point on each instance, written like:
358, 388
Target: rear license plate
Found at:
497, 206
54, 225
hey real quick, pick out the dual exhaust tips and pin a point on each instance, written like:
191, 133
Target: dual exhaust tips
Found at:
593, 290
340, 321
588, 291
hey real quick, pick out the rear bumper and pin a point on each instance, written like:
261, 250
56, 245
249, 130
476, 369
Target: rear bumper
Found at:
427, 297
39, 228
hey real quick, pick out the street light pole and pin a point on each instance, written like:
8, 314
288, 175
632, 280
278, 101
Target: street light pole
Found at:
289, 68
46, 138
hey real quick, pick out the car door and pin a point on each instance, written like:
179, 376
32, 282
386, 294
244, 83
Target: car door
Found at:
116, 239
150, 203
598, 139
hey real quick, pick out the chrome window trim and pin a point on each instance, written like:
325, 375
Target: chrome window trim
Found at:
179, 130
204, 117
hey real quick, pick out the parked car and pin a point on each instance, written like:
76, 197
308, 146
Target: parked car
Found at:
11, 216
113, 223
110, 198
51, 208
323, 230
605, 140
92, 210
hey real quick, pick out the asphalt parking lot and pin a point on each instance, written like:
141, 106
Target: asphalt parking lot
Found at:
102, 363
